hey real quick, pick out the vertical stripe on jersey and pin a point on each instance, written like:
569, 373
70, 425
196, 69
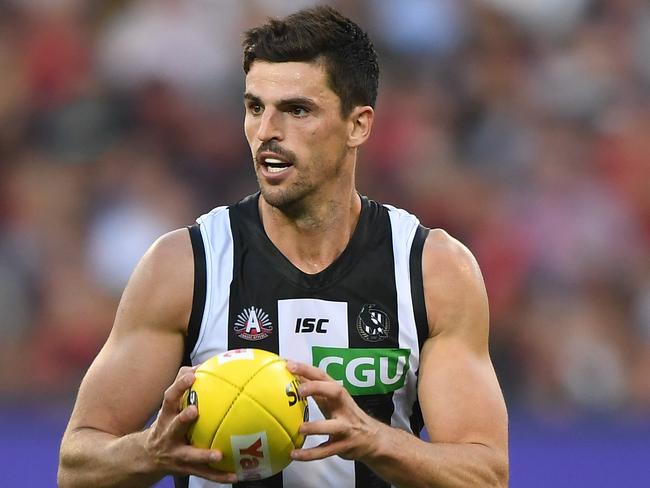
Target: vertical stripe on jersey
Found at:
181, 481
212, 338
217, 238
419, 311
242, 305
378, 406
196, 315
335, 471
198, 296
417, 284
404, 228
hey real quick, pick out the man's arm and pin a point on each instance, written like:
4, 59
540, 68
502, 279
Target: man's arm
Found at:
103, 445
461, 401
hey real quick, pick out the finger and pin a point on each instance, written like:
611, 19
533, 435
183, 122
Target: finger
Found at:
187, 455
186, 369
307, 371
326, 449
332, 427
326, 389
182, 422
173, 394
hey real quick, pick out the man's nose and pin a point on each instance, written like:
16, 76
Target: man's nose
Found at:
270, 126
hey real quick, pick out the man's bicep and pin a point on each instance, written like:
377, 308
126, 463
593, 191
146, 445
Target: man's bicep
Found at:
459, 395
124, 385
142, 355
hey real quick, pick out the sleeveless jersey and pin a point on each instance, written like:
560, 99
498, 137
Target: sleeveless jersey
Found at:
362, 319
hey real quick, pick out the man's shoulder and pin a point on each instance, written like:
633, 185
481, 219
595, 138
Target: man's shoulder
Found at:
447, 255
452, 277
159, 292
170, 259
172, 247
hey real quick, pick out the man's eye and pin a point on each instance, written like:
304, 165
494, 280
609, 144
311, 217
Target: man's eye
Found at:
255, 108
299, 111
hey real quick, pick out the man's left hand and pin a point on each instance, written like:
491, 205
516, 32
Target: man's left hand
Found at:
353, 434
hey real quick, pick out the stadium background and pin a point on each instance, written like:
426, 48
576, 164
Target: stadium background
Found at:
521, 127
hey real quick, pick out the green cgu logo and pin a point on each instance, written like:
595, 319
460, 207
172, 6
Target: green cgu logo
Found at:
366, 371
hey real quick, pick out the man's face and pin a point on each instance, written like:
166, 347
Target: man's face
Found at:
294, 127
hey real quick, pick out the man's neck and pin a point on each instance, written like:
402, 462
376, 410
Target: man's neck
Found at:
316, 236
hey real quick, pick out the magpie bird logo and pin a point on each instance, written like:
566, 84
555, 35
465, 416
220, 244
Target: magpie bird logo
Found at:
373, 323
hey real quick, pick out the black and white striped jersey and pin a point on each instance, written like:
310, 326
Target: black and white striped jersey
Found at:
362, 319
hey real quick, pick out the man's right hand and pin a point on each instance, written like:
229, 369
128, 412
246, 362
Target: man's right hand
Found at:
166, 440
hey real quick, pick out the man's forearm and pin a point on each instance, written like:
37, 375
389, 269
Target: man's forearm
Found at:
406, 461
93, 458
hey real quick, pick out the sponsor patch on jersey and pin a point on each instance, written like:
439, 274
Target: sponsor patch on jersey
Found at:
253, 324
364, 371
251, 456
373, 323
311, 316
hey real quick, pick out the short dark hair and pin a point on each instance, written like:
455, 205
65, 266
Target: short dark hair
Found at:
316, 34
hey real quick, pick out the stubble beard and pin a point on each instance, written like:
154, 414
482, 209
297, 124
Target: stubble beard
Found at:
294, 199
288, 199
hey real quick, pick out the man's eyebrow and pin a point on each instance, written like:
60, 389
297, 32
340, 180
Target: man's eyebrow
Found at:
286, 102
304, 101
252, 98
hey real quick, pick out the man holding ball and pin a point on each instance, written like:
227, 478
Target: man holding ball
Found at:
385, 320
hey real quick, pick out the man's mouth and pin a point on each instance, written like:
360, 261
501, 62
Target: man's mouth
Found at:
273, 163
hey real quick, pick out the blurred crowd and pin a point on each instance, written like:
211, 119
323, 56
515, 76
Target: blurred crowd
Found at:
521, 127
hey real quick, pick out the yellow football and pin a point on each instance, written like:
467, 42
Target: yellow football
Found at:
249, 409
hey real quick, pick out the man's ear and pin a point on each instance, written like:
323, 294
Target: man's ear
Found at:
360, 123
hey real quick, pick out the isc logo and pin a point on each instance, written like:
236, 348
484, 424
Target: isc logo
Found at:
309, 324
